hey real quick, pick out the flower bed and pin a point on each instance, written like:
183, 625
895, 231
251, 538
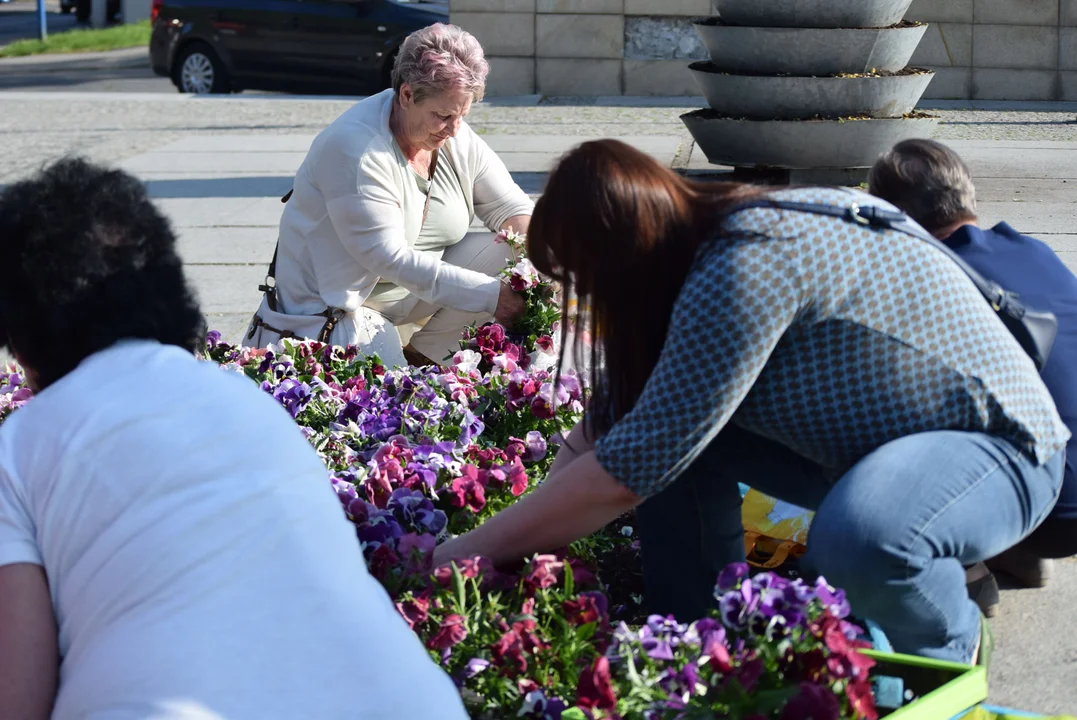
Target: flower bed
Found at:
418, 454
415, 454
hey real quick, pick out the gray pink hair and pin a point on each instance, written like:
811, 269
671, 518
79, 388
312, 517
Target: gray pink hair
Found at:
439, 58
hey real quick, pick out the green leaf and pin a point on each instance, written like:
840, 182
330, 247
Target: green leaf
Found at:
771, 701
459, 589
573, 714
570, 582
586, 632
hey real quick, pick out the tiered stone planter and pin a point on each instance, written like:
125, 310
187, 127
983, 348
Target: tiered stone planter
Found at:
815, 88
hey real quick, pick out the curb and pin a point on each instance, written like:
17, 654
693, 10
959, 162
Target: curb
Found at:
78, 62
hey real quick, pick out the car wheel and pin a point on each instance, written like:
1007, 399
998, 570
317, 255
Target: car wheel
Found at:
199, 71
82, 11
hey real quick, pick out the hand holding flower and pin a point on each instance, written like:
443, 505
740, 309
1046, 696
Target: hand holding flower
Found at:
510, 306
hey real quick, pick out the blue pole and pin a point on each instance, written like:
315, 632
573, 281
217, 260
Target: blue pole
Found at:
42, 22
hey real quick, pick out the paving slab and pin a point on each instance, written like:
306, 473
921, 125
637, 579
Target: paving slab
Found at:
222, 211
657, 145
227, 288
204, 185
231, 326
215, 162
225, 154
1032, 161
1035, 660
1069, 257
138, 57
1065, 243
241, 142
1032, 217
1004, 190
227, 246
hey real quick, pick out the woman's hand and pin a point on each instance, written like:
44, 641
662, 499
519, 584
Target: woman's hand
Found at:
571, 504
510, 306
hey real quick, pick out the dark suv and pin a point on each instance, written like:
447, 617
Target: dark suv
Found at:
344, 47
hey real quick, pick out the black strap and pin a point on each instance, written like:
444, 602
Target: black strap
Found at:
1034, 330
883, 219
269, 287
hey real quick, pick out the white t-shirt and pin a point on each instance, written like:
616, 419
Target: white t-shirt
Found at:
199, 563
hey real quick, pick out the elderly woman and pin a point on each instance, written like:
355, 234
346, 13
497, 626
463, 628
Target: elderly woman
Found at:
375, 233
849, 368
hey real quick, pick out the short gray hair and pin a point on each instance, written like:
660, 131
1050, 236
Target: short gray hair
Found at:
438, 58
927, 180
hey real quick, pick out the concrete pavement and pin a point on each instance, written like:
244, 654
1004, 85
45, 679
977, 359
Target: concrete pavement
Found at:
217, 168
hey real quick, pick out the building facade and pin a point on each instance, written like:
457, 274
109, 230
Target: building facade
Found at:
980, 49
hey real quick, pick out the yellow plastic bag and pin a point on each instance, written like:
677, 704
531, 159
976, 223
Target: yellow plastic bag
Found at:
775, 518
774, 531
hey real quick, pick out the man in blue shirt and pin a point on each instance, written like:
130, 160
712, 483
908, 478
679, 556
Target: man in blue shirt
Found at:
931, 183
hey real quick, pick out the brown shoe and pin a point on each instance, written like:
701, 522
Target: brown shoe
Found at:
1028, 569
416, 358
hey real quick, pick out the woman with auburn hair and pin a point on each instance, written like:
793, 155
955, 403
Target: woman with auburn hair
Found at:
820, 352
375, 234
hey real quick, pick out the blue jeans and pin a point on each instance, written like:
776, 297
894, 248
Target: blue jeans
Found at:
895, 531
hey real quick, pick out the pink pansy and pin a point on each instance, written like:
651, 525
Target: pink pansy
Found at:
466, 361
469, 493
523, 276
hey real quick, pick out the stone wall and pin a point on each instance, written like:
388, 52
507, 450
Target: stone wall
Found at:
981, 49
999, 49
578, 47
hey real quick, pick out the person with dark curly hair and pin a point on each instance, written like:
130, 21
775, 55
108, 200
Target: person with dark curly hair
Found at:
156, 559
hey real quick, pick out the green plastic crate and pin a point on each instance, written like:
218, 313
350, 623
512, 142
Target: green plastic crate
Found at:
942, 689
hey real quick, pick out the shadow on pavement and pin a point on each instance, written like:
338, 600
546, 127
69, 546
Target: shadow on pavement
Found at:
531, 183
71, 77
259, 186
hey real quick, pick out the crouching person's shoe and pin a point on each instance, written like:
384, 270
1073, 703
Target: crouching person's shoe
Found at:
1023, 566
983, 589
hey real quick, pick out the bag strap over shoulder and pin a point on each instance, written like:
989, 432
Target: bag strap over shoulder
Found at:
1034, 330
269, 287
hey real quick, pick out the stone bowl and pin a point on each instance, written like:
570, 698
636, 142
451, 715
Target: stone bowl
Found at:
809, 51
801, 144
785, 97
813, 13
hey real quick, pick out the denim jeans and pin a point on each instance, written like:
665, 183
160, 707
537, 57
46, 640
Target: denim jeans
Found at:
895, 531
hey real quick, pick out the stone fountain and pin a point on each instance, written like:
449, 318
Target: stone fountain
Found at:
812, 90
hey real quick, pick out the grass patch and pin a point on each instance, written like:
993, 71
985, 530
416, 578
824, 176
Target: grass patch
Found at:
76, 41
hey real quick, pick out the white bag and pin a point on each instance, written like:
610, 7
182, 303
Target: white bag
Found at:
268, 326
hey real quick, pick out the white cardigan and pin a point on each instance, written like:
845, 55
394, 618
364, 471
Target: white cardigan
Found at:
355, 214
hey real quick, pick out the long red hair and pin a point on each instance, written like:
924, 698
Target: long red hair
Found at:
620, 232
